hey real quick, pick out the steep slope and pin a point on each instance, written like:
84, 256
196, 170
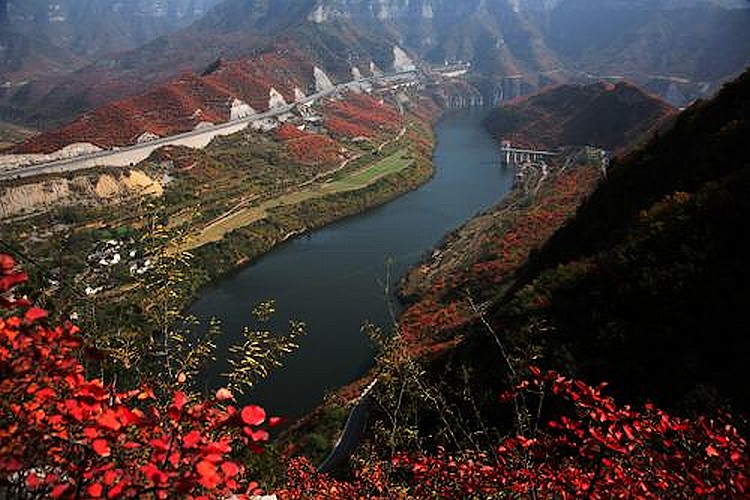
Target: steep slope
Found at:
698, 41
41, 37
603, 115
227, 90
494, 35
647, 286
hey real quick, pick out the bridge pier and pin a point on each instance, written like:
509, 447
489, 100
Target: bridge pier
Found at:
515, 156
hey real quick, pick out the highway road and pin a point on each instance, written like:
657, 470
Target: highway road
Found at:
200, 138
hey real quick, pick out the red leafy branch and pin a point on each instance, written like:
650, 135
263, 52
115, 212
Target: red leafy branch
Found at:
63, 435
595, 449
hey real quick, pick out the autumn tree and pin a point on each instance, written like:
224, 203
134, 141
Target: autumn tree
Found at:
65, 435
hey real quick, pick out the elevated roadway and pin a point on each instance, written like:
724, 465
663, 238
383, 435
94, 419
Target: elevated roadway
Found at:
199, 138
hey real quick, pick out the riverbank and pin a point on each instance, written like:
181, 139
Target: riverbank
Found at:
112, 246
350, 191
445, 292
341, 276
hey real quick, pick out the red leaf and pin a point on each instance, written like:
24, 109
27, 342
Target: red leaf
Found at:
218, 448
7, 263
110, 477
230, 469
32, 481
8, 282
711, 451
253, 415
153, 474
275, 421
257, 436
180, 400
192, 439
91, 432
108, 420
96, 490
35, 314
101, 447
116, 491
207, 471
224, 394
59, 490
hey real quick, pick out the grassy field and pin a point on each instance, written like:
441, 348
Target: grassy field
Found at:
353, 181
390, 165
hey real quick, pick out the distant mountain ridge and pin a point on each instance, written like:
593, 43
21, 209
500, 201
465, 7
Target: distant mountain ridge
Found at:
40, 36
678, 49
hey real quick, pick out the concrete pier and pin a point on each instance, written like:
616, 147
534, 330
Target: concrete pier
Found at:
516, 156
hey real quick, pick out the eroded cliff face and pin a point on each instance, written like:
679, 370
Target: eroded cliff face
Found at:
91, 28
49, 194
329, 10
496, 36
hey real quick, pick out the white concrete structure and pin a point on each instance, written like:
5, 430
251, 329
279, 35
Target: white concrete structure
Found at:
402, 61
515, 156
146, 137
275, 99
322, 80
240, 109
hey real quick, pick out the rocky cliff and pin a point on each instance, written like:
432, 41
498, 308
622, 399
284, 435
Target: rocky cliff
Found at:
42, 38
40, 196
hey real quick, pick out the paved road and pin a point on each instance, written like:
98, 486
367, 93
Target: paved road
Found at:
200, 138
354, 430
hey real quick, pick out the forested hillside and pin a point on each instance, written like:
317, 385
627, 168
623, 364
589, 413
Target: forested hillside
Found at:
604, 115
647, 286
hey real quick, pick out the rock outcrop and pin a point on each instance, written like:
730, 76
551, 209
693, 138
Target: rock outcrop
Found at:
42, 196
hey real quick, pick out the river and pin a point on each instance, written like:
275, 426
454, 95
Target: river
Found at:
333, 279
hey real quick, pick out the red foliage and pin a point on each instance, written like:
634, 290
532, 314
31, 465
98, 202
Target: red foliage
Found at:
287, 132
306, 148
179, 105
596, 450
360, 115
63, 435
347, 128
537, 225
427, 320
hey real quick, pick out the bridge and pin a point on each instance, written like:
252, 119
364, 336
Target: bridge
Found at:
515, 156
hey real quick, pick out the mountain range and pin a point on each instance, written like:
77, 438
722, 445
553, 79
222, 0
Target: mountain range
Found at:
678, 49
39, 38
